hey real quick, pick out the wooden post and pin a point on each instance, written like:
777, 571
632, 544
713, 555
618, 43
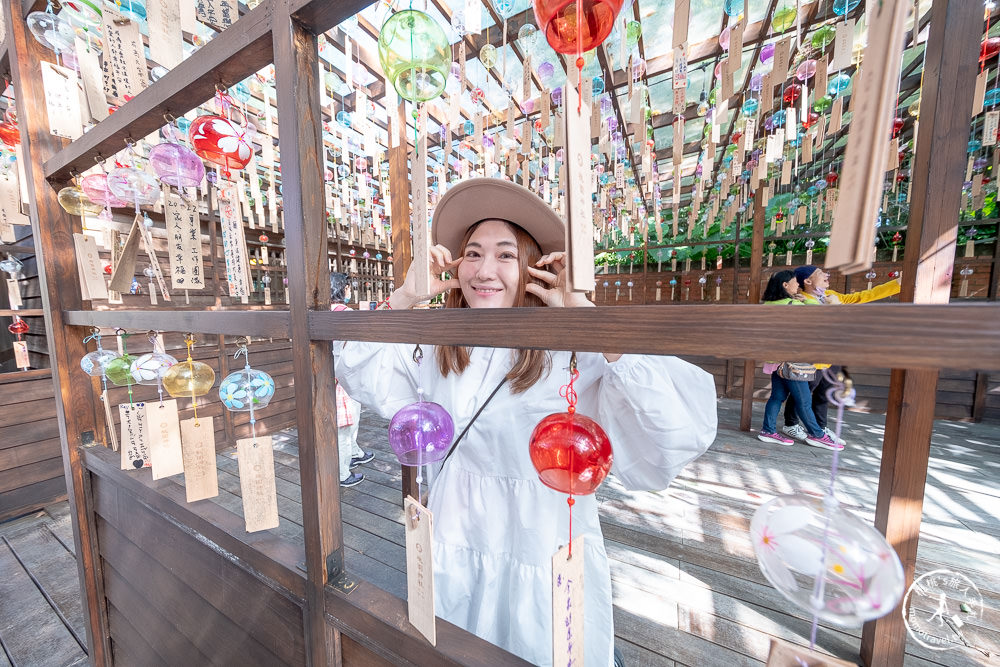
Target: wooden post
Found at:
756, 254
296, 61
402, 251
946, 104
76, 409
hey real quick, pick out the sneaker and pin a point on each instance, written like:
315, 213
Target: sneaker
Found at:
776, 438
364, 458
796, 431
825, 442
353, 480
833, 436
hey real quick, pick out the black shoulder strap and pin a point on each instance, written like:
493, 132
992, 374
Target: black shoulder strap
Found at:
473, 420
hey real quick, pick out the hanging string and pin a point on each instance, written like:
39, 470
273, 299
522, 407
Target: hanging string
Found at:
189, 341
840, 394
124, 336
243, 342
569, 393
418, 356
151, 337
579, 59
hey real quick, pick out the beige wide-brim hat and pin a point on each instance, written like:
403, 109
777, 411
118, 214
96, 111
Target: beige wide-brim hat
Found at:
479, 199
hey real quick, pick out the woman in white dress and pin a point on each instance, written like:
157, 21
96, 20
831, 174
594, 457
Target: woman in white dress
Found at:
496, 526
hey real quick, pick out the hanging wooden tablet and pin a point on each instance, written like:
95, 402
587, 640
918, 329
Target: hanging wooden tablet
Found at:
726, 81
164, 439
567, 604
10, 207
677, 148
836, 115
843, 45
782, 53
819, 82
979, 94
419, 523
682, 12
123, 270
234, 247
201, 476
736, 44
154, 263
580, 212
62, 101
166, 43
863, 171
124, 57
990, 125
257, 485
766, 93
134, 440
90, 267
217, 13
421, 233
543, 116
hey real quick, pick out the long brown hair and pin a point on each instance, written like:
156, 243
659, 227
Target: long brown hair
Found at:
529, 365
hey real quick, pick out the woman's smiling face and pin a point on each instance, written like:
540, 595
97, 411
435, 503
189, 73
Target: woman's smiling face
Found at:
490, 272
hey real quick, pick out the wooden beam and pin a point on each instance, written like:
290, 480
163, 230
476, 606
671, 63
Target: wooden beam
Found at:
306, 246
76, 410
318, 16
877, 335
257, 321
227, 59
756, 255
950, 67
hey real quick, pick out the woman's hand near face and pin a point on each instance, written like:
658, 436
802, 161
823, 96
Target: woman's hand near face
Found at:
440, 261
551, 270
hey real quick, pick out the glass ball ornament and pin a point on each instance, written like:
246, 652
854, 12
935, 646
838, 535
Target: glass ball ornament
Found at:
633, 31
822, 104
95, 363
222, 140
766, 53
838, 84
597, 85
96, 188
134, 185
189, 379
792, 93
806, 70
9, 134
119, 370
11, 265
571, 453
798, 538
989, 48
992, 97
823, 36
732, 7
19, 327
567, 33
841, 7
51, 31
750, 107
488, 56
246, 389
504, 7
415, 55
420, 433
150, 368
176, 165
527, 35
85, 14
74, 201
784, 18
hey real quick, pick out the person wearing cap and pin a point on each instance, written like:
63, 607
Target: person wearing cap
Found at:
496, 526
348, 410
815, 289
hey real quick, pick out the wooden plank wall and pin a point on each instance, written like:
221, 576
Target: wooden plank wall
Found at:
31, 467
173, 598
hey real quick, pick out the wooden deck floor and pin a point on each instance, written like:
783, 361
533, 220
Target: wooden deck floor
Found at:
687, 590
41, 617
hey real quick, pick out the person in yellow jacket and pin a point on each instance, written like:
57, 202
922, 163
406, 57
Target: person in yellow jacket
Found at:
815, 289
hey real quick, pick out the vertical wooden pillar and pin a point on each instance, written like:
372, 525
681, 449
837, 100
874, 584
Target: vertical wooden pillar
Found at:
296, 61
76, 409
938, 169
756, 254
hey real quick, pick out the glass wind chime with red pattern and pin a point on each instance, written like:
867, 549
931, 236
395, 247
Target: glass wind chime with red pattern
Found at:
12, 266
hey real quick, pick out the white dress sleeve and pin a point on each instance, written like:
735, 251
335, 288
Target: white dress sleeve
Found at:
381, 376
660, 414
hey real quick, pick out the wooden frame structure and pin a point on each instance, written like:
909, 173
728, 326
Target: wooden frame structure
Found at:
342, 621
